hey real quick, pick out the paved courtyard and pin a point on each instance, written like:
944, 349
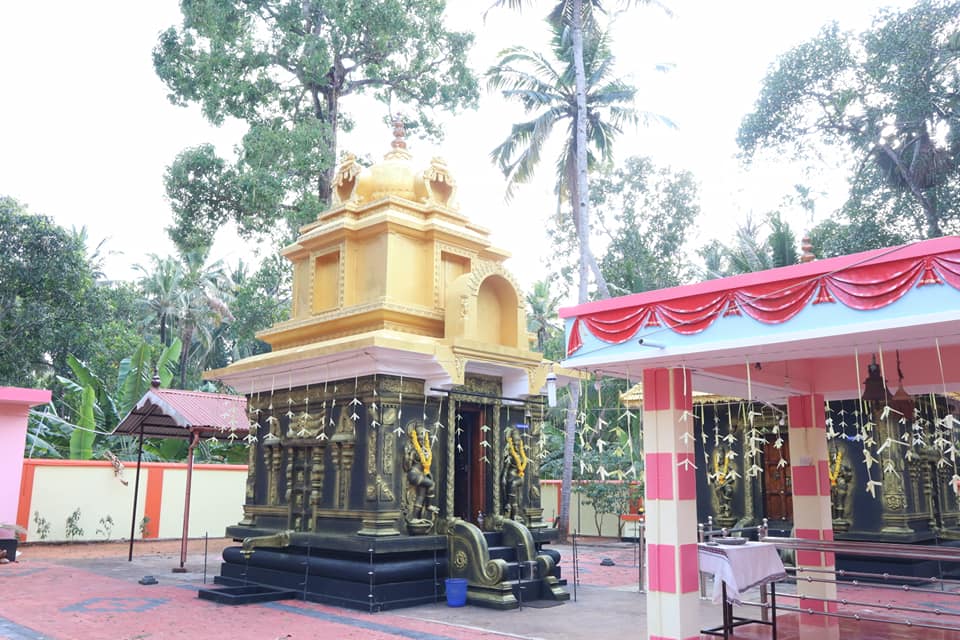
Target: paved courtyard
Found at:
67, 592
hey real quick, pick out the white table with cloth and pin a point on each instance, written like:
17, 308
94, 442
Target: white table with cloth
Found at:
737, 568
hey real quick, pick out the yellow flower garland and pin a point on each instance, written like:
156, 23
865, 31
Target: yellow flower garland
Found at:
424, 451
835, 472
521, 460
721, 476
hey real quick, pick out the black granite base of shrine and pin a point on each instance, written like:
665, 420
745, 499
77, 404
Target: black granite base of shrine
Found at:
249, 594
372, 581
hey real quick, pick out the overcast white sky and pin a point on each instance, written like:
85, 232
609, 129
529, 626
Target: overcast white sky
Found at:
86, 130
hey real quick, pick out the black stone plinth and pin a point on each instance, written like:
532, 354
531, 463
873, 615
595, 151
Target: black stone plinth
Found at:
358, 574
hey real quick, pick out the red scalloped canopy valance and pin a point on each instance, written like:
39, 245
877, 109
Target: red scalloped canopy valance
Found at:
864, 287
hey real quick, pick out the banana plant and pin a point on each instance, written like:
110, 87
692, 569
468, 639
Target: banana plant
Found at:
84, 433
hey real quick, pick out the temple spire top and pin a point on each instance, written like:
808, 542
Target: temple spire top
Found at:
399, 134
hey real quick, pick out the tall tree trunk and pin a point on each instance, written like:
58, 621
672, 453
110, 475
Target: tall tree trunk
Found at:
581, 202
587, 262
187, 338
929, 210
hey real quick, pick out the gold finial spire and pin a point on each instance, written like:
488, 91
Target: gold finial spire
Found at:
399, 134
807, 247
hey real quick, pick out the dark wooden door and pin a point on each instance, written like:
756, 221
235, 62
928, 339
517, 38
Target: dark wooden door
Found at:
777, 490
471, 472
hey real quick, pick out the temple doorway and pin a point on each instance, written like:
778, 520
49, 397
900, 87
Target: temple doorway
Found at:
471, 472
777, 488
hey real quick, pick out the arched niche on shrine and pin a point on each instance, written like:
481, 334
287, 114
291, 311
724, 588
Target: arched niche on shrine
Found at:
485, 306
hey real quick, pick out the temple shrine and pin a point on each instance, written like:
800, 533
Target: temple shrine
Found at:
847, 368
397, 421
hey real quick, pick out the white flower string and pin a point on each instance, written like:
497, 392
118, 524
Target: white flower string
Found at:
399, 428
949, 423
438, 425
752, 435
289, 412
865, 429
484, 443
458, 429
374, 407
324, 416
251, 436
686, 438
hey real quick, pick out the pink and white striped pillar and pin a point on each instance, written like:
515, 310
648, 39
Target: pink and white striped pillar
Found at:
670, 498
812, 518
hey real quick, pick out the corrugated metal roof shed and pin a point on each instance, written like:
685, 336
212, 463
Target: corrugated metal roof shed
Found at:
172, 413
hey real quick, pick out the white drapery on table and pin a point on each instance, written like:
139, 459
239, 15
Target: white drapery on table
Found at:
740, 567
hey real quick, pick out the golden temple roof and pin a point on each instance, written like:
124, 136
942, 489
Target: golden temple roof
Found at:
394, 176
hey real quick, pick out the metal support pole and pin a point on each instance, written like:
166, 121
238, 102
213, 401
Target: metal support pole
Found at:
136, 494
195, 438
576, 567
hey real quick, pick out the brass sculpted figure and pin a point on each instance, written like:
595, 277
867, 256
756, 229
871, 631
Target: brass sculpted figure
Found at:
724, 487
514, 466
417, 459
841, 479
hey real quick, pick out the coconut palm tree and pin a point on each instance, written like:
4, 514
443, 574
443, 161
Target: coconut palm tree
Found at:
542, 316
161, 284
204, 305
545, 86
188, 297
549, 88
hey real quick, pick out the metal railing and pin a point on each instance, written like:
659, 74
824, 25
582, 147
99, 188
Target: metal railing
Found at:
903, 608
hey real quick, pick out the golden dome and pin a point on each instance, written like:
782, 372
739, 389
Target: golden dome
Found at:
394, 176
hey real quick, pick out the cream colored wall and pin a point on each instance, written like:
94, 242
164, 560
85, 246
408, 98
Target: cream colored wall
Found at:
60, 487
216, 501
581, 513
59, 491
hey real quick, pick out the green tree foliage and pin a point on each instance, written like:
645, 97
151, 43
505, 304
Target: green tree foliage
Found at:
648, 211
81, 440
889, 96
542, 306
50, 303
750, 250
613, 498
283, 67
188, 296
91, 405
260, 299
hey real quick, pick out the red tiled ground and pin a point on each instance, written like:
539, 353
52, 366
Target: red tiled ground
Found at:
68, 592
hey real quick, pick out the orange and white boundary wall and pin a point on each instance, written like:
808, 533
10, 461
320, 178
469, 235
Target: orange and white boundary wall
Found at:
55, 489
582, 514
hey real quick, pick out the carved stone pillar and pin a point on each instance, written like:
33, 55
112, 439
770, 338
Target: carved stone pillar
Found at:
451, 453
316, 482
497, 457
894, 515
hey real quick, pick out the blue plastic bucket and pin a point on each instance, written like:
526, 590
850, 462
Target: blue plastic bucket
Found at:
456, 592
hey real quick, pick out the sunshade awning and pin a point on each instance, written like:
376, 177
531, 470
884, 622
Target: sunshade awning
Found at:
172, 413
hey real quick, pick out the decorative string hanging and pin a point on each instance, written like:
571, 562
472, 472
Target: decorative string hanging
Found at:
251, 436
374, 406
324, 416
686, 438
459, 427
